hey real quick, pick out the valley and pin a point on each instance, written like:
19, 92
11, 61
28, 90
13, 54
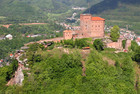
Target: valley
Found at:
69, 47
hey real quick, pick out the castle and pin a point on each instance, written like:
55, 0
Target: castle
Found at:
93, 27
89, 27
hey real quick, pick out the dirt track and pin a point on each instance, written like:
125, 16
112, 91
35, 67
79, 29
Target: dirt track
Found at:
7, 26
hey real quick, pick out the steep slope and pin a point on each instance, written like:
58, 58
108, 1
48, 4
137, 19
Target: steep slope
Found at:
29, 7
121, 12
80, 3
39, 7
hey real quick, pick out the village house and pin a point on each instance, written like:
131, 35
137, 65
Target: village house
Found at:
138, 40
11, 55
1, 61
79, 8
9, 36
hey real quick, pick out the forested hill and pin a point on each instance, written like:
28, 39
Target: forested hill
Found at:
66, 68
120, 12
39, 7
29, 7
110, 5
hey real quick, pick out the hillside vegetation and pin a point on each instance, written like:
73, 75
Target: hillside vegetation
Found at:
19, 33
37, 9
120, 12
59, 71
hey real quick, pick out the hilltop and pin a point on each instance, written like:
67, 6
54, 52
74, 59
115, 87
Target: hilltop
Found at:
65, 67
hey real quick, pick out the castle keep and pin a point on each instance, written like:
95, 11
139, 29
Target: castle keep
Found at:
89, 27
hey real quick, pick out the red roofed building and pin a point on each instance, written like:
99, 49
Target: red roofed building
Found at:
11, 55
89, 27
138, 39
7, 26
92, 26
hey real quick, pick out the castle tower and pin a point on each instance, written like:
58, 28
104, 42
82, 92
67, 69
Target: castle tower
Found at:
85, 21
97, 27
91, 26
67, 34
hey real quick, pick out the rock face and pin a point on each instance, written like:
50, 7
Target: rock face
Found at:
18, 77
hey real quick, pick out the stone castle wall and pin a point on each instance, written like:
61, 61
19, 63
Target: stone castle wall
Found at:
115, 45
118, 45
89, 27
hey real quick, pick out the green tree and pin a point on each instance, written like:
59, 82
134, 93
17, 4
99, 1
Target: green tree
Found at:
134, 46
136, 56
123, 43
115, 33
34, 47
98, 44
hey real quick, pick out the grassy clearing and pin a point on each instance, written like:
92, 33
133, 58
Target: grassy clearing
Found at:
2, 17
59, 16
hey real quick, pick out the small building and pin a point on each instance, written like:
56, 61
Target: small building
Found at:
138, 39
9, 36
1, 61
86, 48
138, 43
57, 31
11, 55
24, 48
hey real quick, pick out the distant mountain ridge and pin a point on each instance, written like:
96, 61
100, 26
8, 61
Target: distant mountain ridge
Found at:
110, 4
119, 12
27, 8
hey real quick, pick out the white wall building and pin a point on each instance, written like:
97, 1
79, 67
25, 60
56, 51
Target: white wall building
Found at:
9, 36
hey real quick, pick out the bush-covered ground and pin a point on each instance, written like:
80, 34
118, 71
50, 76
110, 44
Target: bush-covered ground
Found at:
59, 71
19, 33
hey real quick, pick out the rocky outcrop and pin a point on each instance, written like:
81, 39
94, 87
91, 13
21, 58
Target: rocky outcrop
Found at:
18, 77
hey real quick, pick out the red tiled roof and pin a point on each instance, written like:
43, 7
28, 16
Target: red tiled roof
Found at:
97, 19
11, 54
67, 31
86, 47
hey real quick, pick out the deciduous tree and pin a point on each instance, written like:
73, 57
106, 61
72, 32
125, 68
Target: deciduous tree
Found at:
98, 44
115, 33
